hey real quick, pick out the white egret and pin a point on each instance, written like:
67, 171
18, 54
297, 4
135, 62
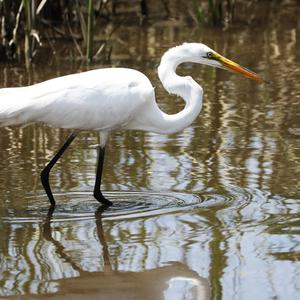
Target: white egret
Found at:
112, 99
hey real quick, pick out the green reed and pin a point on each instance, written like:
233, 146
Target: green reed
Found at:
219, 13
90, 31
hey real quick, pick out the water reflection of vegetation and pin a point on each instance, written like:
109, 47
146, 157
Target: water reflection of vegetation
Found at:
210, 242
246, 137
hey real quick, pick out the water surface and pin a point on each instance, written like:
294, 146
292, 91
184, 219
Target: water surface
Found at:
210, 212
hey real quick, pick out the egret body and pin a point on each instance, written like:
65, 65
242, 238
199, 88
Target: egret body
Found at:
112, 99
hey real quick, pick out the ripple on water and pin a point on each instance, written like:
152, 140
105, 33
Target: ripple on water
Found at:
81, 206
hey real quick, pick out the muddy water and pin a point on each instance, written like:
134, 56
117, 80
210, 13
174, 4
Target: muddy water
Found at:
211, 212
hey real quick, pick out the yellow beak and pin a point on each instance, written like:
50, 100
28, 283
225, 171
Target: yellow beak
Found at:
231, 65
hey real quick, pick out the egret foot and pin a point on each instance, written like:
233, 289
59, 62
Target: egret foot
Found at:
99, 197
97, 188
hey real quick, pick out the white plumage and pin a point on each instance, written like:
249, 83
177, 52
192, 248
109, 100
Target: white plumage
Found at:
88, 100
112, 99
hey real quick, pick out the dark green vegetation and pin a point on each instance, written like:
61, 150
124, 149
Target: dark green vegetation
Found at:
28, 25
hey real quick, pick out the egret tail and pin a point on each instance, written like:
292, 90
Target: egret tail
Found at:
14, 108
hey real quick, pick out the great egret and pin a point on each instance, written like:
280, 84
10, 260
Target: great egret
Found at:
112, 99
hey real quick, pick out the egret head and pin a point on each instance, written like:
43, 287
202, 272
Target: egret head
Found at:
200, 53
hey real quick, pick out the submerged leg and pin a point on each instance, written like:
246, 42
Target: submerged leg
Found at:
49, 166
97, 188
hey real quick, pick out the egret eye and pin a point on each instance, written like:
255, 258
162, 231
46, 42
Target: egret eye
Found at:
210, 55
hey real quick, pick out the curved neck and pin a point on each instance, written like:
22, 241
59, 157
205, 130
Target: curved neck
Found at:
184, 87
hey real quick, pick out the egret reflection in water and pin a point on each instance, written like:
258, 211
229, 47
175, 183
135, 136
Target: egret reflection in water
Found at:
64, 272
54, 253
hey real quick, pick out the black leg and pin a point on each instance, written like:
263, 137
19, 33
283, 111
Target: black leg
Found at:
97, 189
47, 169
